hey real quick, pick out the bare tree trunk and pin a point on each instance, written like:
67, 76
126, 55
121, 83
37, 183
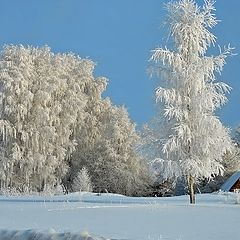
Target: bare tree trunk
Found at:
191, 183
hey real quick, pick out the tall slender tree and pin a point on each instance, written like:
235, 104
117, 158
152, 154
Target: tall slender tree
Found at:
193, 140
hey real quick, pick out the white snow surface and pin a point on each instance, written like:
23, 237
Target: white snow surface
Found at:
214, 217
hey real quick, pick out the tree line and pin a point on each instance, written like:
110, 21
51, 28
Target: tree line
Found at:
54, 123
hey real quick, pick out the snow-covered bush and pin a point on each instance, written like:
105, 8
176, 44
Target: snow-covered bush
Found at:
10, 192
231, 197
82, 182
237, 197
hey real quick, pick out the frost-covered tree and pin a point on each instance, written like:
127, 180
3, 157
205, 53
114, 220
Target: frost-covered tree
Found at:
43, 96
193, 140
107, 149
54, 121
82, 182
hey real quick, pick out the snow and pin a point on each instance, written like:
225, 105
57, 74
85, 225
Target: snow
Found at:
230, 182
48, 235
214, 217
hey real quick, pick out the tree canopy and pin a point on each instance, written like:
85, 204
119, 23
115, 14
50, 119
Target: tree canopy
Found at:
54, 122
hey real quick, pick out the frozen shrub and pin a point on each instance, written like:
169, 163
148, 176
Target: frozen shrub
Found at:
82, 182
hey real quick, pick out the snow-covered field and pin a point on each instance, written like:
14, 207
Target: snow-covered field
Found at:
214, 217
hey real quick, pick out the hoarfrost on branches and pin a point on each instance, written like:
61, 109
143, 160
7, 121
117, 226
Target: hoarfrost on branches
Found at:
193, 140
54, 122
107, 150
41, 103
82, 182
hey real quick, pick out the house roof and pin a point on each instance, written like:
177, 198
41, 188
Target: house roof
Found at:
230, 182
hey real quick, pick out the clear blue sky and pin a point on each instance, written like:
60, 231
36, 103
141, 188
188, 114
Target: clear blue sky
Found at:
118, 35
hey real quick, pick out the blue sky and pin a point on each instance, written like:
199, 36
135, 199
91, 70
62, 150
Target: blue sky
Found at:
118, 35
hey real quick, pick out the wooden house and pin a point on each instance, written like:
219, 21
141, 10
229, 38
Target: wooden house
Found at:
232, 184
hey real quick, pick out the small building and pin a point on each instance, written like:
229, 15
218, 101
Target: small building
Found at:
232, 184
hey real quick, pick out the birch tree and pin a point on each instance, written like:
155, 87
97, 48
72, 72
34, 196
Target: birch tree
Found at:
193, 140
42, 103
54, 122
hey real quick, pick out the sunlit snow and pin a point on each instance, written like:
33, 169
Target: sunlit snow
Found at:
214, 217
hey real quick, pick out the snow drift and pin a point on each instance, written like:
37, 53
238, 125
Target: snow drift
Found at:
47, 235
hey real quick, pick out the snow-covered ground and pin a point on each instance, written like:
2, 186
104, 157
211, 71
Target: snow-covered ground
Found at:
214, 217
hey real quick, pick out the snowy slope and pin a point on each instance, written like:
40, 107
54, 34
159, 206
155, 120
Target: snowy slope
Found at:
214, 217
